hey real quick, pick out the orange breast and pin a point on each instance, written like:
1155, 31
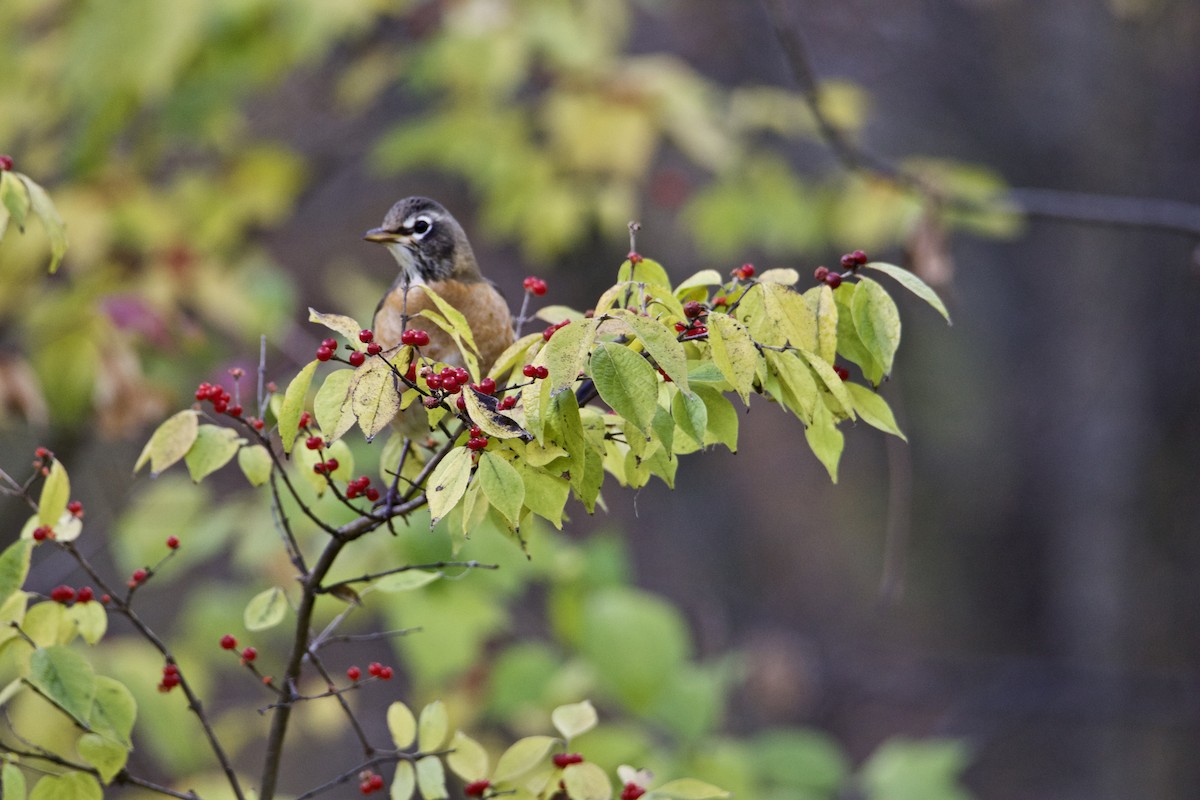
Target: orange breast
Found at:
486, 312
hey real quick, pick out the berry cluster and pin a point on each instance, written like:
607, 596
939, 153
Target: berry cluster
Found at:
743, 273
326, 467
381, 671
222, 401
477, 440
546, 334
536, 373
450, 380
850, 262
370, 782
535, 286
170, 678
327, 349
42, 533
65, 594
414, 337
696, 314
361, 487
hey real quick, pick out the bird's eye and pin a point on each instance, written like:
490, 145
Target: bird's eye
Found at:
421, 227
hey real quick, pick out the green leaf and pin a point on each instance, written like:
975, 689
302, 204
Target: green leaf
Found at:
374, 398
337, 323
733, 352
402, 725
255, 461
53, 223
850, 344
334, 415
431, 778
15, 198
56, 492
170, 442
722, 425
69, 786
459, 330
469, 760
574, 719
690, 414
522, 757
215, 446
833, 383
448, 482
545, 493
912, 770
293, 405
660, 342
265, 610
877, 321
565, 355
12, 782
645, 271
107, 756
113, 710
65, 678
502, 484
627, 383
874, 409
806, 763
687, 789
824, 310
14, 568
45, 624
825, 439
705, 277
910, 281
404, 783
406, 581
433, 727
587, 781
91, 620
777, 315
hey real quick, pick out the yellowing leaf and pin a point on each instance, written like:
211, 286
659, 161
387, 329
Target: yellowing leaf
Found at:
785, 276
586, 781
574, 719
374, 398
469, 760
825, 439
877, 321
65, 678
14, 197
170, 442
910, 281
448, 482
433, 727
874, 409
522, 757
56, 492
482, 410
402, 725
502, 485
706, 277
431, 778
14, 568
626, 382
91, 620
660, 342
293, 405
265, 610
824, 311
107, 756
256, 464
404, 783
646, 271
337, 323
214, 447
833, 383
458, 328
334, 415
733, 352
406, 581
688, 789
55, 228
69, 786
113, 710
566, 353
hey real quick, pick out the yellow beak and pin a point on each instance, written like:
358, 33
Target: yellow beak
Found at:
382, 236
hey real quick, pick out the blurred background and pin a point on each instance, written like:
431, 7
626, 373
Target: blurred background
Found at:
1020, 578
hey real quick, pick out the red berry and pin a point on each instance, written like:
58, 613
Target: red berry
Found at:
385, 673
546, 334
62, 594
351, 492
42, 533
692, 309
680, 327
6, 163
450, 383
220, 405
477, 788
477, 442
331, 343
258, 424
319, 468
305, 421
860, 257
634, 257
460, 403
314, 443
373, 668
76, 508
529, 370
414, 337
376, 782
357, 358
106, 599
566, 759
249, 654
462, 375
475, 431
747, 271
820, 273
632, 792
173, 542
43, 453
354, 673
720, 300
202, 391
324, 353
331, 465
848, 261
841, 372
372, 495
487, 386
85, 594
833, 280
541, 372
235, 410
366, 336
508, 402
374, 349
138, 576
228, 642
434, 382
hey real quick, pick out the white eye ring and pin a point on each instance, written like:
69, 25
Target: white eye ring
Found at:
421, 226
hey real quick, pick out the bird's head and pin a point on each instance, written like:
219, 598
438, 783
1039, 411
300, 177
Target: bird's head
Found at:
426, 241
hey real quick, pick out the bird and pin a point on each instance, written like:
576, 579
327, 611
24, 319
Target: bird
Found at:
432, 249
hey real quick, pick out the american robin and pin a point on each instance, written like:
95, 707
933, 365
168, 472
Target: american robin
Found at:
432, 249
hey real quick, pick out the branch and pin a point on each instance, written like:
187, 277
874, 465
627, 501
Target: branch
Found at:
1050, 204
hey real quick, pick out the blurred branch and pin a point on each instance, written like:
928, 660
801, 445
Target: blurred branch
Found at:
1051, 204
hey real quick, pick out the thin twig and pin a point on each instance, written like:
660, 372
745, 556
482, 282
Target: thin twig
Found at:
407, 568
